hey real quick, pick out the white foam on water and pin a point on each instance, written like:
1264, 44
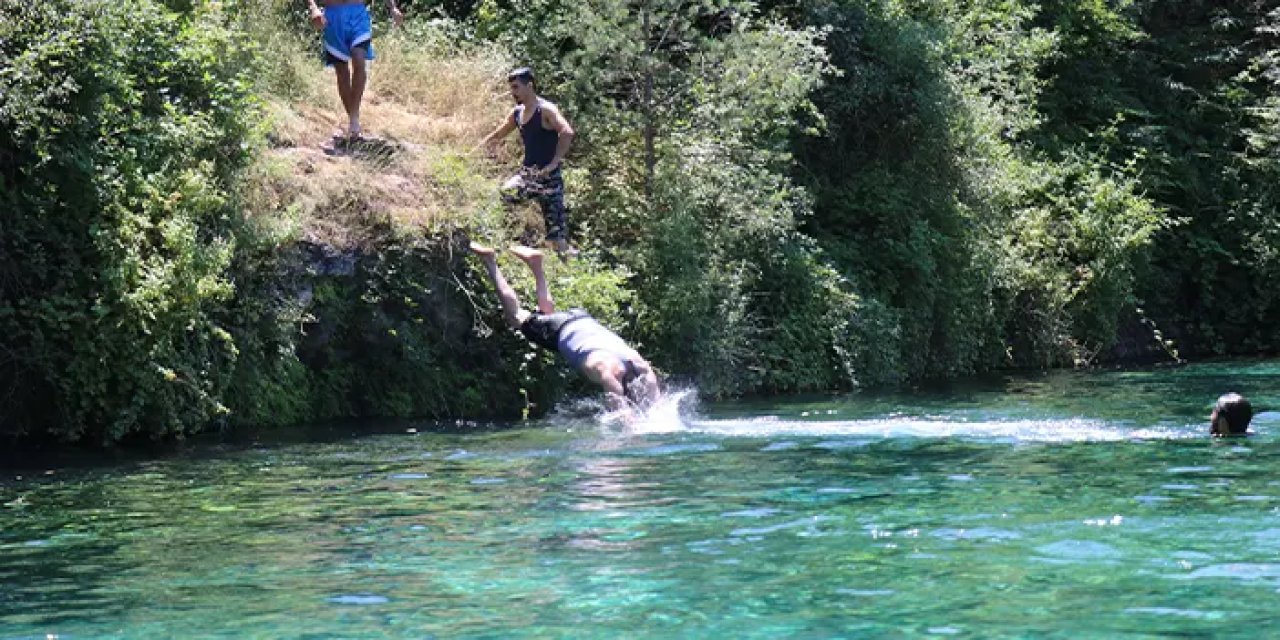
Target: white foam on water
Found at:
1182, 613
667, 415
677, 412
1045, 430
675, 415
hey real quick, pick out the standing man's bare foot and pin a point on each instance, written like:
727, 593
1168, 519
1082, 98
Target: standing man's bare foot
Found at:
564, 250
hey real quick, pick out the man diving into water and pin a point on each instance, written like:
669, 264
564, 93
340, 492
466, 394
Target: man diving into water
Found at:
596, 352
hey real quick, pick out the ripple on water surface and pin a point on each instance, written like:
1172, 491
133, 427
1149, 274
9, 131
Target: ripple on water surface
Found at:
858, 432
1049, 506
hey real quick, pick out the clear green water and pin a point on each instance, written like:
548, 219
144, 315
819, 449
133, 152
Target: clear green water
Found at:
1068, 506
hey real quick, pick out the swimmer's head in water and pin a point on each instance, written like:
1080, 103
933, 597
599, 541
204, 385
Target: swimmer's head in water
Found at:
1231, 416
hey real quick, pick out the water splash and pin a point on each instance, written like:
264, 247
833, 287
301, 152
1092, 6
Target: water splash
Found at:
668, 415
677, 412
1043, 430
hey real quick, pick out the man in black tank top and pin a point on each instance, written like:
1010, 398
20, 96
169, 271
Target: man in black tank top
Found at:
547, 136
596, 352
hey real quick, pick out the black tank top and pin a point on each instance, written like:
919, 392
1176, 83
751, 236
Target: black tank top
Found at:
543, 329
539, 141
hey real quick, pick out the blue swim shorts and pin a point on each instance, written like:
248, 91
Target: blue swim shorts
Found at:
347, 26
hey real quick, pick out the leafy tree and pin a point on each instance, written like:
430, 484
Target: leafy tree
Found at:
1182, 92
122, 128
686, 110
991, 250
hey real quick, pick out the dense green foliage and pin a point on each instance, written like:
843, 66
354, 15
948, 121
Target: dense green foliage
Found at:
140, 297
774, 195
324, 334
1185, 94
935, 243
1001, 183
683, 176
120, 133
991, 251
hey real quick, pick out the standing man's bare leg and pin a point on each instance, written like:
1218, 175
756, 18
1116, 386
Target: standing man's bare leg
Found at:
342, 70
510, 301
359, 77
533, 258
352, 77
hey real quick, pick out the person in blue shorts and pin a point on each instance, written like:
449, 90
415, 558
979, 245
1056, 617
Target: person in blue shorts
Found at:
590, 348
348, 45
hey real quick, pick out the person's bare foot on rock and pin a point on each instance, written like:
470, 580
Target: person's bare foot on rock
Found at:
564, 250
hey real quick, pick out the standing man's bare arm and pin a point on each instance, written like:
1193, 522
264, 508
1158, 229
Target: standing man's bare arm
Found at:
554, 120
315, 14
397, 18
501, 132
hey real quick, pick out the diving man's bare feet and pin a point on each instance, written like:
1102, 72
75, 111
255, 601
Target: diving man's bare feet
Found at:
483, 251
529, 255
533, 258
511, 310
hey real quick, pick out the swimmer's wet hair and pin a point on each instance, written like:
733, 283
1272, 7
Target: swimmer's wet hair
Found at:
523, 74
1236, 410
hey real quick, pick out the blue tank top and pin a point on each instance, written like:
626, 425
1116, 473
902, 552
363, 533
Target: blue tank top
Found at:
581, 336
539, 141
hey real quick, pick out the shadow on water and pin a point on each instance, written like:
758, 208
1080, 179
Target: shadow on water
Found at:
36, 459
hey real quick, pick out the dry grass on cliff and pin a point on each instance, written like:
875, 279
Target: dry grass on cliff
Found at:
431, 99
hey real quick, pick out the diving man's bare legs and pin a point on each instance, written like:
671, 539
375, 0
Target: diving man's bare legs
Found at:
605, 367
511, 310
533, 258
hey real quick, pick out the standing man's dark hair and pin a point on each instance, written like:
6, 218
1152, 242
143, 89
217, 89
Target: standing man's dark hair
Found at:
523, 74
1231, 415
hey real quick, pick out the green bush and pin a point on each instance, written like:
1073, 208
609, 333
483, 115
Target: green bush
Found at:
736, 298
1069, 259
122, 128
681, 178
870, 192
986, 250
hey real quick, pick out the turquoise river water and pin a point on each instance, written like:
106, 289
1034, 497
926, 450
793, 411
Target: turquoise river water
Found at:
1072, 505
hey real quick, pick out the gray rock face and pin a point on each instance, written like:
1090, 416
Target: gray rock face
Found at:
394, 331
